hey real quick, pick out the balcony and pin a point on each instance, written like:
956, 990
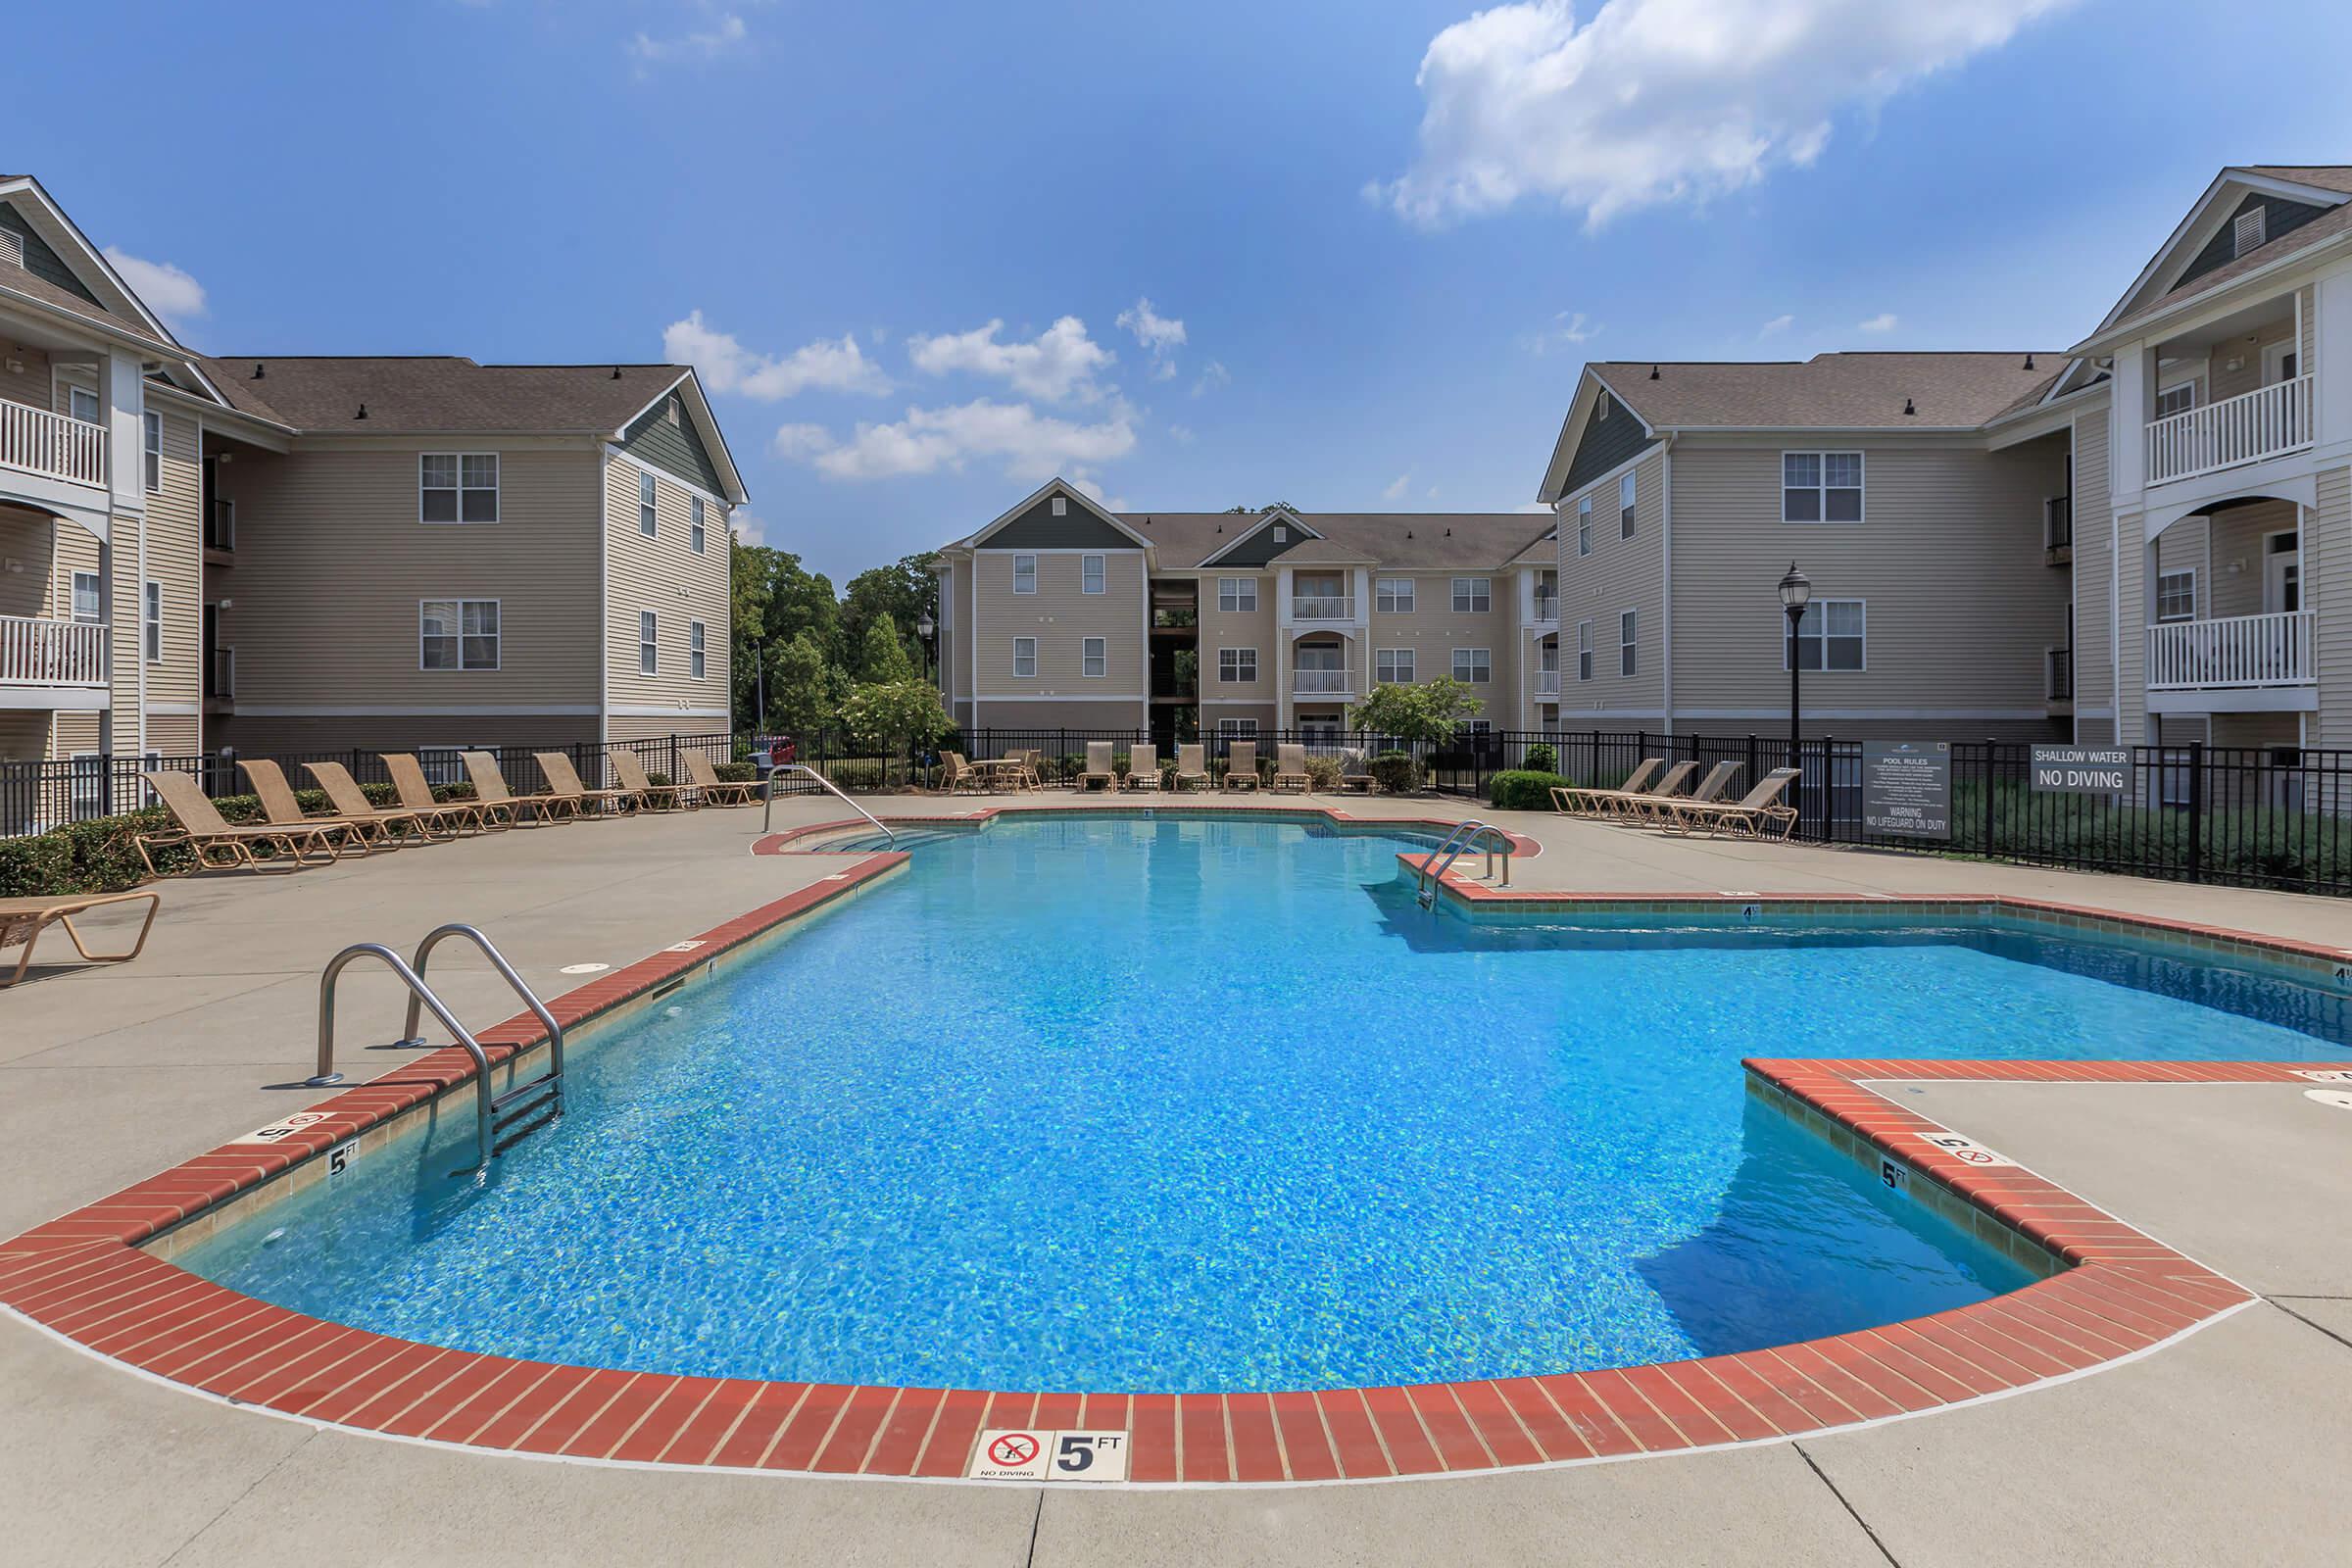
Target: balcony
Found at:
2236, 662
1322, 606
52, 445
2061, 675
221, 675
221, 527
1321, 683
2246, 428
37, 652
1547, 683
1548, 606
2058, 530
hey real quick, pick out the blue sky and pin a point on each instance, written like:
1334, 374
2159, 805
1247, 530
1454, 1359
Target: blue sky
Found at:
908, 246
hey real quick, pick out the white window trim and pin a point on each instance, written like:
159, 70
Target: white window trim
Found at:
1470, 659
1404, 668
697, 529
698, 651
151, 620
2188, 386
1237, 589
1234, 658
497, 491
1402, 594
73, 598
649, 504
97, 409
1473, 589
1823, 487
1583, 525
2274, 360
1017, 656
460, 667
1629, 643
1086, 656
151, 450
1236, 729
1016, 573
2190, 572
648, 641
1822, 636
1629, 500
1584, 650
1095, 570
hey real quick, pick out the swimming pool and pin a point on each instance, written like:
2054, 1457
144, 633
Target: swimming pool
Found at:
1188, 1104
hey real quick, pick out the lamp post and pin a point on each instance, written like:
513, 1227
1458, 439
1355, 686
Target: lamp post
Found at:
1796, 588
924, 627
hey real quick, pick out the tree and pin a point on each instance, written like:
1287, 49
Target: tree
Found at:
898, 717
882, 659
776, 603
1271, 505
1429, 711
805, 690
905, 591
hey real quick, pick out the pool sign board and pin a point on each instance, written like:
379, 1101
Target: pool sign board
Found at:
2081, 770
1012, 1454
1907, 789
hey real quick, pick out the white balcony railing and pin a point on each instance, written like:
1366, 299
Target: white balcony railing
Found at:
1322, 606
1321, 682
2274, 650
37, 441
2244, 428
1547, 683
35, 652
1548, 607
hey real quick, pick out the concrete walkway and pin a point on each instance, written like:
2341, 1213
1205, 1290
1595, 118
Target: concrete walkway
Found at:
2228, 1446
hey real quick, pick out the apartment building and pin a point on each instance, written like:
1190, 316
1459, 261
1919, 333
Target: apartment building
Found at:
267, 551
2144, 538
1063, 615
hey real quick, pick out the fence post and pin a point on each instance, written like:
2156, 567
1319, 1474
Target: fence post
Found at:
2196, 810
1750, 777
228, 772
1989, 818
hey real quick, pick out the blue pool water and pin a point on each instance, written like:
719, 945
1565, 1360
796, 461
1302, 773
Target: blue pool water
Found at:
1189, 1105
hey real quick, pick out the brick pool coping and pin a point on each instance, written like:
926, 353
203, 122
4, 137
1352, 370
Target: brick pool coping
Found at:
779, 843
2117, 1294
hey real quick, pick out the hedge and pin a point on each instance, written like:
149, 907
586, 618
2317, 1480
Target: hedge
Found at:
102, 855
1396, 772
1524, 789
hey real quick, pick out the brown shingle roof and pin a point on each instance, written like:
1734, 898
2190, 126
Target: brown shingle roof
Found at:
1831, 391
1433, 541
72, 304
437, 395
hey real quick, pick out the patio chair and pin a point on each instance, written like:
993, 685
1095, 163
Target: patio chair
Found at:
1648, 809
1611, 803
1241, 765
416, 795
630, 768
1033, 769
1355, 776
1099, 772
22, 920
346, 835
1192, 766
1289, 768
1143, 768
712, 789
490, 788
344, 794
1761, 813
563, 784
208, 834
1578, 800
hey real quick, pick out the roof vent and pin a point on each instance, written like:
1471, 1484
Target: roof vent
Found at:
1408, 534
1907, 407
1654, 373
1450, 533
363, 414
12, 247
258, 370
2028, 362
2248, 230
616, 372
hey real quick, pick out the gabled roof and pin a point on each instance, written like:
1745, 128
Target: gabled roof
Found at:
2160, 285
1264, 521
440, 394
1408, 541
1054, 487
1870, 391
117, 306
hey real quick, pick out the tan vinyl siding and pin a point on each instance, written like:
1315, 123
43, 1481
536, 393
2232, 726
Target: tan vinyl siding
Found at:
1001, 715
2131, 629
175, 559
1621, 575
23, 736
24, 546
2328, 576
2095, 547
662, 575
2238, 540
1248, 628
2186, 547
1433, 631
1061, 616
2246, 350
262, 734
74, 734
172, 734
33, 383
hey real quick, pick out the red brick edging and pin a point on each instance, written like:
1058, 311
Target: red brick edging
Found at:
780, 843
2117, 1293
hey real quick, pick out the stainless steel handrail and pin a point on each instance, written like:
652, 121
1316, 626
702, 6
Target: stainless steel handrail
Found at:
767, 811
1465, 836
498, 961
419, 991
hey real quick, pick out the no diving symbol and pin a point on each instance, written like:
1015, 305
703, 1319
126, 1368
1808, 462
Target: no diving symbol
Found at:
1013, 1450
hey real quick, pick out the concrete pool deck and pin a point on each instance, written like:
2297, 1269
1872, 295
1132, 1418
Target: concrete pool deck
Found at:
2225, 1445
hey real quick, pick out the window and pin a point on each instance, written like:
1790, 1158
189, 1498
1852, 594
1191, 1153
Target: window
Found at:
1626, 663
646, 522
694, 524
649, 644
695, 650
151, 621
82, 405
1024, 574
1394, 596
1828, 635
669, 411
1600, 410
1093, 583
2175, 399
1584, 650
457, 634
1094, 653
457, 488
1061, 506
1282, 535
1473, 665
151, 451
88, 606
1024, 656
1237, 666
1392, 667
1472, 596
1821, 487
1626, 492
1584, 526
1236, 596
2177, 596
1237, 728
2248, 230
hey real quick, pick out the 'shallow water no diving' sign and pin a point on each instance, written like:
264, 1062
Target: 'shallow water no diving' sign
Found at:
2081, 770
1907, 788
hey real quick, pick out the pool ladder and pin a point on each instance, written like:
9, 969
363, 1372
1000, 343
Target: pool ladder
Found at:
1463, 838
500, 1120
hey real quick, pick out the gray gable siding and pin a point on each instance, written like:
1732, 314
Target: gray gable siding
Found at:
2284, 215
1262, 548
1076, 529
1606, 443
39, 260
675, 449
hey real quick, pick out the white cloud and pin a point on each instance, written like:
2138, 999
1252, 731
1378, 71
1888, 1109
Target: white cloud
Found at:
1059, 363
749, 530
1565, 331
1884, 321
1778, 324
167, 290
1091, 488
1398, 487
1029, 445
1182, 434
707, 44
1532, 507
1155, 331
1662, 100
727, 365
1213, 374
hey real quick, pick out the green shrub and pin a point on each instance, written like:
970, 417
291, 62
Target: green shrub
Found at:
1540, 758
1523, 788
1396, 772
736, 772
1323, 774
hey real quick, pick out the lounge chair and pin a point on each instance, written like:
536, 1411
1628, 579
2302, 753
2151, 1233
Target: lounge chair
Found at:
1192, 766
490, 788
1761, 813
1101, 772
712, 789
1649, 808
1578, 800
208, 834
1613, 803
347, 835
630, 768
22, 920
344, 794
563, 784
1143, 768
1289, 768
416, 795
1241, 765
1355, 776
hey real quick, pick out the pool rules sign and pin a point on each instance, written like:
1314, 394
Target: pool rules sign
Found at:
1907, 789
